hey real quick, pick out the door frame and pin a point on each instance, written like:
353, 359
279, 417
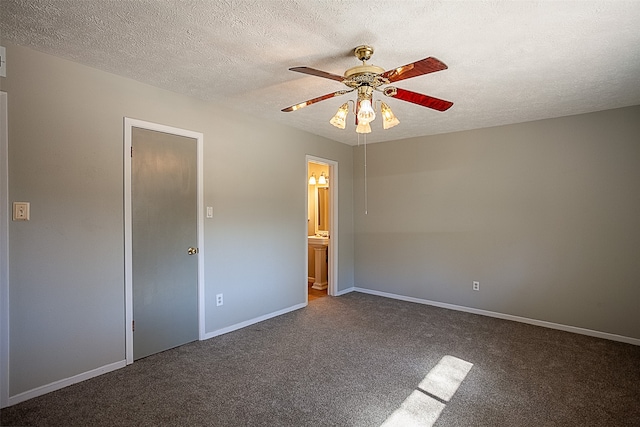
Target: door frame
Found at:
4, 252
332, 273
130, 123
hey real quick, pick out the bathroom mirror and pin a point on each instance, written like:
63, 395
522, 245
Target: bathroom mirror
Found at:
322, 210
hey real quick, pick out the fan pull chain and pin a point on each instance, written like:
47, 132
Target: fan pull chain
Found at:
365, 171
365, 175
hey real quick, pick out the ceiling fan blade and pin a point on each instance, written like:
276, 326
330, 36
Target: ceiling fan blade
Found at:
418, 98
314, 100
318, 73
418, 68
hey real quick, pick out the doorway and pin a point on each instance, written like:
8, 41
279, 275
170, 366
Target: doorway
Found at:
163, 238
322, 227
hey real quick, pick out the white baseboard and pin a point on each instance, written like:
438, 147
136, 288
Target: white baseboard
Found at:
551, 325
250, 322
345, 291
57, 385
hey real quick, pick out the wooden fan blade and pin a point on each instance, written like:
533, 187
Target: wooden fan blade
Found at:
418, 98
314, 100
318, 73
418, 68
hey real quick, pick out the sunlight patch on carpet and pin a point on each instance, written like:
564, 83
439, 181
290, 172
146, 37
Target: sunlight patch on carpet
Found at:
424, 405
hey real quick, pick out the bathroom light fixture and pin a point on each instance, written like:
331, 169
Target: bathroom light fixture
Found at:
322, 180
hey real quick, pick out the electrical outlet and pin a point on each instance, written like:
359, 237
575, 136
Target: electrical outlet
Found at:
476, 286
219, 301
21, 211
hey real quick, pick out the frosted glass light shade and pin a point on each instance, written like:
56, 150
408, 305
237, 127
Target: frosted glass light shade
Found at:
365, 112
339, 120
363, 128
322, 180
389, 119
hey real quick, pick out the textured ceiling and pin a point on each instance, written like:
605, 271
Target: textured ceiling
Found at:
509, 61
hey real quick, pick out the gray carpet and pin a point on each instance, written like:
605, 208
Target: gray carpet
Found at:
352, 361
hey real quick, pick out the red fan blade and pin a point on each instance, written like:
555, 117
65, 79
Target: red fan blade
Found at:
314, 100
318, 73
418, 98
418, 68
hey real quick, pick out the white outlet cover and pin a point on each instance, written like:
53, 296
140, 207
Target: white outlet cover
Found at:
21, 211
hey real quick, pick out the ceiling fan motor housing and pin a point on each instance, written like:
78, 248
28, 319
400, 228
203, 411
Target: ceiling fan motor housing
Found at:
363, 69
364, 75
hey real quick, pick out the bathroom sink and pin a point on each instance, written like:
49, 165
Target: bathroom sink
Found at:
318, 241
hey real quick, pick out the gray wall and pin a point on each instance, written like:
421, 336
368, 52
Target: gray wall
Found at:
66, 264
546, 215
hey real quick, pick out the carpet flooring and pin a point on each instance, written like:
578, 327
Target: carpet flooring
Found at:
362, 360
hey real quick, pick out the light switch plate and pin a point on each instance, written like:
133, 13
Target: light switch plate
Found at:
21, 211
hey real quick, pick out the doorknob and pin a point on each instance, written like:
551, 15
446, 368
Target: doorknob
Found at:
192, 251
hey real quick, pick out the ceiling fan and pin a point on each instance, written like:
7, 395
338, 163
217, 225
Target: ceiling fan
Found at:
365, 79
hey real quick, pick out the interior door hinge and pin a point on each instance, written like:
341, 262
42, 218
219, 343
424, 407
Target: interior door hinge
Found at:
131, 151
133, 326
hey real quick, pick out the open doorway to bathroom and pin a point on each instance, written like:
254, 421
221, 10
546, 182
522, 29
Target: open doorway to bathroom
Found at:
322, 227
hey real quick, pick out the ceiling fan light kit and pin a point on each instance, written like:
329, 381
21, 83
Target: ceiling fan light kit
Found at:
366, 79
